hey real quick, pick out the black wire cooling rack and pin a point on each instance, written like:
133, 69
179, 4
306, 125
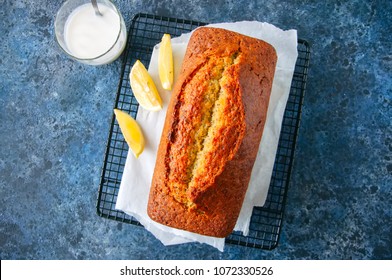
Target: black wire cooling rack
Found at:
266, 222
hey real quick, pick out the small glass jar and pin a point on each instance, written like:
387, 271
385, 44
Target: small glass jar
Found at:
87, 37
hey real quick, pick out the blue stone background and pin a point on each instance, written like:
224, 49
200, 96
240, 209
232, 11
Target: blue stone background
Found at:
55, 116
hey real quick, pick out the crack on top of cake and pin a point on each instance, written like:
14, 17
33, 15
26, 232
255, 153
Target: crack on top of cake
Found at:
195, 119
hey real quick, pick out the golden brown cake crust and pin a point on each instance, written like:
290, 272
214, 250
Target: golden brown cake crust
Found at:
212, 132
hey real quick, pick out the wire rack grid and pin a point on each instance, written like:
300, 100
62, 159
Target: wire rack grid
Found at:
266, 222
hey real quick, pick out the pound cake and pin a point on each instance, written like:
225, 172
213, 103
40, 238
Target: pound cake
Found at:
212, 131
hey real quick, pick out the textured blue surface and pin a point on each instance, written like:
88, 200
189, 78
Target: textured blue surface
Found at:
55, 116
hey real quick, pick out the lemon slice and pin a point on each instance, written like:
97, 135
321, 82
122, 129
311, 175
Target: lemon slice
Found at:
143, 88
131, 131
165, 62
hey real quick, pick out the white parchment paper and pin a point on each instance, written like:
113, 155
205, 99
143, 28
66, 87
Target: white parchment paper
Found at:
135, 185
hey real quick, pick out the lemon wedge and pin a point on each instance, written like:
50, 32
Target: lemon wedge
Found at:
165, 62
144, 88
131, 131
